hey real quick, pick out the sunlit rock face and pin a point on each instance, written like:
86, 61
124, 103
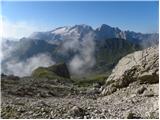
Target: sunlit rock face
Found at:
140, 66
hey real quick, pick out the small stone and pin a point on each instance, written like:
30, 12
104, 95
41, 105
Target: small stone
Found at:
148, 93
76, 111
130, 115
85, 117
43, 113
21, 110
88, 116
108, 90
47, 116
42, 109
101, 88
95, 111
102, 117
30, 112
141, 90
104, 110
51, 112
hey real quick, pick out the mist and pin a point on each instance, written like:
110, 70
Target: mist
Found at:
25, 68
83, 59
84, 48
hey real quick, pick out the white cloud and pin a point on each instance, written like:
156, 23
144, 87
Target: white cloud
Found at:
85, 60
18, 29
25, 68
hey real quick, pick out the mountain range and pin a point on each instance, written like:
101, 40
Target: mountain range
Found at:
101, 33
84, 49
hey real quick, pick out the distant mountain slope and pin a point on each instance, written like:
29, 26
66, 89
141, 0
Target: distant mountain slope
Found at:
80, 46
63, 33
26, 48
109, 51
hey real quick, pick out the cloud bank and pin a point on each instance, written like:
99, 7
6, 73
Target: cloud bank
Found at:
84, 48
81, 45
25, 68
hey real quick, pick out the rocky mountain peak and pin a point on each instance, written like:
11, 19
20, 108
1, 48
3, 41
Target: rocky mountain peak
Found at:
104, 27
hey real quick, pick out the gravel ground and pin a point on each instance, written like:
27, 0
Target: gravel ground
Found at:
124, 103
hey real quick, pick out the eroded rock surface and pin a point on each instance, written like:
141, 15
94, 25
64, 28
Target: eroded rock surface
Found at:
142, 66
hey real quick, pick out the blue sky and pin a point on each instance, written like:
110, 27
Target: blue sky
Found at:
134, 16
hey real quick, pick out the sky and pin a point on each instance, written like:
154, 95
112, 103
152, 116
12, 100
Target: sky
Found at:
20, 19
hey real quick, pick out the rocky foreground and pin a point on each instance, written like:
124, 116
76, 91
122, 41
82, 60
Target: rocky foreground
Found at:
131, 91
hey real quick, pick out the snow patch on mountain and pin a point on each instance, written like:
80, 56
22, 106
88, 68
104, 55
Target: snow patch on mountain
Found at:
61, 30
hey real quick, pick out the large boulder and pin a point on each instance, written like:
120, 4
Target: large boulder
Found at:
57, 70
142, 66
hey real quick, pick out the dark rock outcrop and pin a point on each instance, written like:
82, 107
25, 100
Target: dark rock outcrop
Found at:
9, 77
59, 70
